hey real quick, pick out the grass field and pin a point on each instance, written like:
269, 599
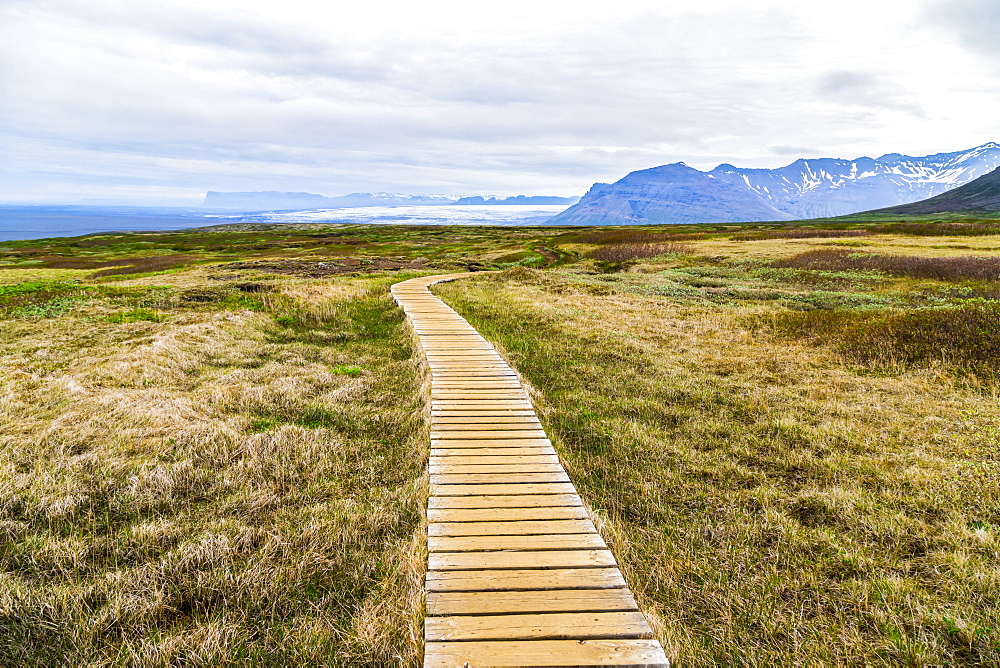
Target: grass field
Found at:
212, 442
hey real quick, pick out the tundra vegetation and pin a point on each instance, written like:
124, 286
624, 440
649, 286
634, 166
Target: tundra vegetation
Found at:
212, 442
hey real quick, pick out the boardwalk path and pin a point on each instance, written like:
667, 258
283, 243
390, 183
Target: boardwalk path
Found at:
516, 573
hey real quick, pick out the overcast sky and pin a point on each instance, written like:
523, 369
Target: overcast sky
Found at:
159, 102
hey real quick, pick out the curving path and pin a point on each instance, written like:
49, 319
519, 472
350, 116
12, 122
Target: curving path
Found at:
517, 575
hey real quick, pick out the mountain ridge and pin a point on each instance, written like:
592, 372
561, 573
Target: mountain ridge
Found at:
980, 196
806, 188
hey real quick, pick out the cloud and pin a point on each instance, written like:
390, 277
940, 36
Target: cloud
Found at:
798, 151
863, 89
975, 22
445, 96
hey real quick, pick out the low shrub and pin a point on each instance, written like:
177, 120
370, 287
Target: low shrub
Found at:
636, 251
965, 267
942, 229
613, 236
799, 234
120, 267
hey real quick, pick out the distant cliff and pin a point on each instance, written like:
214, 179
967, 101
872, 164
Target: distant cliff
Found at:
518, 200
818, 188
283, 201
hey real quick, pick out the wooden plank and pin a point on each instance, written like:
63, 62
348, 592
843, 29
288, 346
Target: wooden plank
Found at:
552, 467
463, 350
481, 412
475, 395
494, 364
435, 359
453, 362
515, 488
450, 443
481, 561
454, 341
479, 451
542, 653
525, 579
488, 424
563, 541
498, 373
466, 384
477, 433
440, 480
491, 390
474, 374
440, 604
506, 514
538, 626
478, 404
458, 355
490, 456
510, 528
484, 405
488, 421
484, 392
504, 501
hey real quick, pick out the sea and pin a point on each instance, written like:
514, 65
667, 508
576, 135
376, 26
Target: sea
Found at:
41, 222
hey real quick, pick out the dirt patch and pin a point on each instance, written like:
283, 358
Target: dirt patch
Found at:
320, 268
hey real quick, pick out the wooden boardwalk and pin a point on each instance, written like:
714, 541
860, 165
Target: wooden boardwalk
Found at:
517, 575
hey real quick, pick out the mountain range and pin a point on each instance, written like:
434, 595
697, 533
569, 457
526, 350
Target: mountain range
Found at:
807, 188
290, 201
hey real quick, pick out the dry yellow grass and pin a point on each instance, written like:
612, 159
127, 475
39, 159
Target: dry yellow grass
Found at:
214, 488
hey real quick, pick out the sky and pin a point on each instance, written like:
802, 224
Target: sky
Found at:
156, 103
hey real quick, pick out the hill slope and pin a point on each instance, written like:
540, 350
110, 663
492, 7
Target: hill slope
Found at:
979, 196
818, 188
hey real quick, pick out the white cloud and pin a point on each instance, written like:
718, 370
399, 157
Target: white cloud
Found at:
102, 97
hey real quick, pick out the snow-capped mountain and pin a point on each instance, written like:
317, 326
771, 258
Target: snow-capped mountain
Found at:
812, 188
